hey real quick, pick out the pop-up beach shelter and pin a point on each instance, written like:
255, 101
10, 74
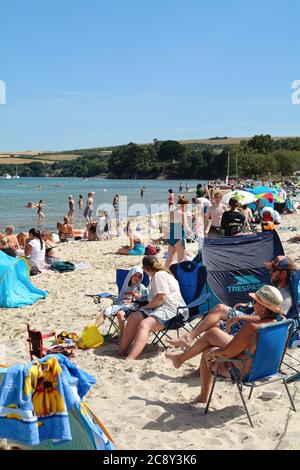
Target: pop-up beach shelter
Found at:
16, 289
44, 410
235, 265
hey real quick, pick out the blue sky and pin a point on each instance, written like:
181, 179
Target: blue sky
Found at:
87, 73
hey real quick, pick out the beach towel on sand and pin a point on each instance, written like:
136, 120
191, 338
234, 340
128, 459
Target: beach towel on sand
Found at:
62, 266
35, 399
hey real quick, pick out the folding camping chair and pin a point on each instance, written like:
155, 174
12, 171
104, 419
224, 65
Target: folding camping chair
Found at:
272, 340
120, 278
191, 277
293, 314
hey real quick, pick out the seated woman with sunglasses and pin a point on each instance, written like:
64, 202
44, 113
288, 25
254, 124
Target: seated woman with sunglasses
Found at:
267, 303
216, 343
231, 319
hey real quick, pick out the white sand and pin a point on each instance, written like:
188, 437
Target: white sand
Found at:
146, 404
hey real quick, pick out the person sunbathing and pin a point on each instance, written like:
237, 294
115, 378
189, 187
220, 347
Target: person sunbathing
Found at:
136, 245
22, 239
216, 343
12, 239
51, 248
65, 230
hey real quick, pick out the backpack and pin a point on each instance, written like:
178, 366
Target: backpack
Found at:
34, 270
152, 250
62, 266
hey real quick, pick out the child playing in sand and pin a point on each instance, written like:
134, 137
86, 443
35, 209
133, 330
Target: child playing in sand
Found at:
131, 291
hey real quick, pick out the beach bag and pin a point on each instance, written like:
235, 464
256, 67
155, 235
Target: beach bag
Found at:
90, 338
34, 270
152, 250
62, 266
267, 225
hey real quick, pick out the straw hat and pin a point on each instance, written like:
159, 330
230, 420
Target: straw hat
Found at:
268, 296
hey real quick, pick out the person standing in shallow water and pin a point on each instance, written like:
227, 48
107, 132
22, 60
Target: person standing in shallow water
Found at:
40, 212
80, 207
88, 211
71, 209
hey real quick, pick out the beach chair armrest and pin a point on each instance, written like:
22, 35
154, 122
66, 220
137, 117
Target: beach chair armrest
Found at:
201, 300
49, 334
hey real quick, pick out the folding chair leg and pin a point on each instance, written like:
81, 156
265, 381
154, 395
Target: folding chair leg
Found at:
289, 395
244, 403
250, 394
212, 390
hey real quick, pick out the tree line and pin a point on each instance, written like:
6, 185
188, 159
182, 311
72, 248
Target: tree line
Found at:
260, 156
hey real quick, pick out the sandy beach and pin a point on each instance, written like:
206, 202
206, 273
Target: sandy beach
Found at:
146, 404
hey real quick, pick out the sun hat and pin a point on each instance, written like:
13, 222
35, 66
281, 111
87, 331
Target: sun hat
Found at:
282, 263
268, 296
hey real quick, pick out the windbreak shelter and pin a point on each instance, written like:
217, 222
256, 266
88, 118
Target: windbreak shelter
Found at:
16, 289
235, 265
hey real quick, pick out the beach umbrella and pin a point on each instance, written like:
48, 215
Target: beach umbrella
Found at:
263, 190
244, 197
270, 197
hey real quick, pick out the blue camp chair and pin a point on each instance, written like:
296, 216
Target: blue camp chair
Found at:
272, 340
191, 277
293, 314
120, 278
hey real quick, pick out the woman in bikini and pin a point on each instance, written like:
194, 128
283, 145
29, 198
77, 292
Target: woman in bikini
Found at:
178, 229
217, 343
40, 212
65, 230
51, 248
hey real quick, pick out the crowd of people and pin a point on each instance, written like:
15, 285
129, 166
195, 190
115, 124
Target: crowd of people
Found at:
224, 332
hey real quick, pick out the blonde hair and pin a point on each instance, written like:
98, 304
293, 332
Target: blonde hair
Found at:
4, 242
152, 263
9, 229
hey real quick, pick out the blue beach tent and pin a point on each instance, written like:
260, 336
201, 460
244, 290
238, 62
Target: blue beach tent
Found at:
16, 289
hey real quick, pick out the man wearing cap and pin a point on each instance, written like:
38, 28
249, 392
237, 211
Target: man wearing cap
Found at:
281, 268
267, 304
231, 319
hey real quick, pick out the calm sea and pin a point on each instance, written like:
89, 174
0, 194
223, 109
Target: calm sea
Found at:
16, 193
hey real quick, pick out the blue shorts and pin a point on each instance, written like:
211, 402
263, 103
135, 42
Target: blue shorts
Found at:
138, 250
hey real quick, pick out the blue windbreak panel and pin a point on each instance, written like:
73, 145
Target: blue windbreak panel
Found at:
235, 265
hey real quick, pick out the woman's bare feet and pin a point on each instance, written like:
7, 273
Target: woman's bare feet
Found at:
121, 353
184, 341
175, 358
199, 399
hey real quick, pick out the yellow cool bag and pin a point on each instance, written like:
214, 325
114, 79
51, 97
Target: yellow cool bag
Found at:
90, 338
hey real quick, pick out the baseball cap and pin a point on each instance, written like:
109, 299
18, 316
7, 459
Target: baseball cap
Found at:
268, 296
282, 263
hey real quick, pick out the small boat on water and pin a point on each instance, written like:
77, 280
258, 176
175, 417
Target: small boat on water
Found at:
6, 176
58, 185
